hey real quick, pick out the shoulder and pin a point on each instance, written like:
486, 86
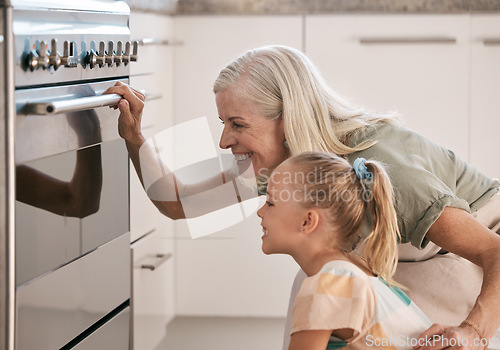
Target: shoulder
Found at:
339, 296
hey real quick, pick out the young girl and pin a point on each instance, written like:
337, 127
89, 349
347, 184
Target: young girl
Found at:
317, 206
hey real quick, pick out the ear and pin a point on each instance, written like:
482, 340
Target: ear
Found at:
310, 222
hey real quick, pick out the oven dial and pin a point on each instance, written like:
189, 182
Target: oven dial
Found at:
126, 54
119, 53
38, 59
97, 58
133, 56
68, 59
110, 54
54, 58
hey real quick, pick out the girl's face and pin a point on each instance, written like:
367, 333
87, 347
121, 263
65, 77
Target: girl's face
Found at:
281, 215
250, 135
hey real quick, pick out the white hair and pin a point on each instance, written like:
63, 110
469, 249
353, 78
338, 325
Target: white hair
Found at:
282, 81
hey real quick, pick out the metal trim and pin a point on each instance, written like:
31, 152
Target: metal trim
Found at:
408, 40
11, 179
491, 42
157, 41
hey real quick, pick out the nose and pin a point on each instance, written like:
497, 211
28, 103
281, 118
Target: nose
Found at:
227, 140
260, 212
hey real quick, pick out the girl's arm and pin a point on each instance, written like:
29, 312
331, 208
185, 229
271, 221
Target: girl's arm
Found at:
458, 232
310, 340
316, 339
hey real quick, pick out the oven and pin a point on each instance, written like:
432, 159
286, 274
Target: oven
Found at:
69, 169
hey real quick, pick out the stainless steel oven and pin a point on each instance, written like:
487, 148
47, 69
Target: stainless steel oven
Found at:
70, 214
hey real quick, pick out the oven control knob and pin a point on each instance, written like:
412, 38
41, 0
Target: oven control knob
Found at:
43, 59
32, 61
68, 59
95, 58
126, 54
119, 53
38, 59
54, 58
133, 56
110, 54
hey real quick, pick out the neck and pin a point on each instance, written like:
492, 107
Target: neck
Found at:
312, 261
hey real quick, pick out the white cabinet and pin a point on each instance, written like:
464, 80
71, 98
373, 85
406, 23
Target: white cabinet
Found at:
226, 273
415, 64
152, 304
152, 234
485, 93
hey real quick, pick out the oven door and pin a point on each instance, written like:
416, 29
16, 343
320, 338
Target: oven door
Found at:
71, 179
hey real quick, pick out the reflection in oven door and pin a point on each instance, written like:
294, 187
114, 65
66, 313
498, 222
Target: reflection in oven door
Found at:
68, 205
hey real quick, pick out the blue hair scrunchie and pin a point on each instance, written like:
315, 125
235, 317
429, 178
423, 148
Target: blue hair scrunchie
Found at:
361, 170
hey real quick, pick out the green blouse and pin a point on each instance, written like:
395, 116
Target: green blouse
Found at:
426, 178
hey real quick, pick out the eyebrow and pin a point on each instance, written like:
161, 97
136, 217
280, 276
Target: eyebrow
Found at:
232, 118
269, 195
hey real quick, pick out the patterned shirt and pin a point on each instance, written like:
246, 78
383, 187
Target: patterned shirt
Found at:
343, 296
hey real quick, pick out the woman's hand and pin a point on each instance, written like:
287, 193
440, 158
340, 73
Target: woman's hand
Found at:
131, 106
443, 337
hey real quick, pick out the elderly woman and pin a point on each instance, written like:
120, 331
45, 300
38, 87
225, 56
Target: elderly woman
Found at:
274, 104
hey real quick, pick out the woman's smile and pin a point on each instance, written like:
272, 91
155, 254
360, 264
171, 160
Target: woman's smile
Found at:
249, 134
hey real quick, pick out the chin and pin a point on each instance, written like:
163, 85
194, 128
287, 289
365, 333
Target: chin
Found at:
267, 251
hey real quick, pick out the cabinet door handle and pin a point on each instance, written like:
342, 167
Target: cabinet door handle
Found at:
408, 40
491, 42
157, 41
161, 258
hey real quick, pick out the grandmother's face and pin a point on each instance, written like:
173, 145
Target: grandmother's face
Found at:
249, 134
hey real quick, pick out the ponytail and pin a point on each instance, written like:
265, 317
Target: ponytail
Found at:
380, 247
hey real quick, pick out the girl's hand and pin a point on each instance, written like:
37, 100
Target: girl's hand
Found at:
131, 106
438, 336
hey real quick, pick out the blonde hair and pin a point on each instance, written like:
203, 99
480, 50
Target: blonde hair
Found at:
331, 183
282, 81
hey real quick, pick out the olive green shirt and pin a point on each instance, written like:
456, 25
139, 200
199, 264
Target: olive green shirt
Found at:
426, 178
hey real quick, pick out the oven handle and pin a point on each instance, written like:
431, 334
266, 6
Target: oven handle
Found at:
73, 105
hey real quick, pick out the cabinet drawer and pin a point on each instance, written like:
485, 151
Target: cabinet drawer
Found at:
143, 213
153, 290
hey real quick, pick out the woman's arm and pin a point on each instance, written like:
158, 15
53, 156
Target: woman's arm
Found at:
129, 127
458, 232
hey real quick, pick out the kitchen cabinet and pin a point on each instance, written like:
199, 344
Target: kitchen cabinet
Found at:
152, 304
226, 273
417, 65
152, 234
484, 93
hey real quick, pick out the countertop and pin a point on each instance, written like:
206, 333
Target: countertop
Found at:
294, 7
